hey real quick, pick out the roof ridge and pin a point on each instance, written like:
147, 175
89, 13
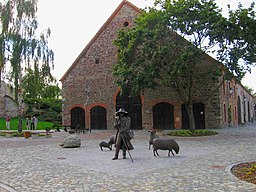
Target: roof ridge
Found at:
98, 34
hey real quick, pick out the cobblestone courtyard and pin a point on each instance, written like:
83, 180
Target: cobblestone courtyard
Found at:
203, 164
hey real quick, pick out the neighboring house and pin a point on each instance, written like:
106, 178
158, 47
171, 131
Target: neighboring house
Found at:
238, 105
8, 105
90, 96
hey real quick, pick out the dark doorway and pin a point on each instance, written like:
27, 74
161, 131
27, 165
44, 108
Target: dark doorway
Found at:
98, 118
199, 116
133, 106
163, 116
239, 114
78, 116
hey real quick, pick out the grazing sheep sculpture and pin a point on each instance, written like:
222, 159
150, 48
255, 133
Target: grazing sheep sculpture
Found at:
165, 144
108, 144
112, 140
152, 136
105, 144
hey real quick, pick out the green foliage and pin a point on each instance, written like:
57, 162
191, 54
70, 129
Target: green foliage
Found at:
145, 53
237, 40
167, 47
35, 85
154, 52
250, 90
16, 134
201, 20
189, 133
19, 45
51, 91
41, 125
48, 109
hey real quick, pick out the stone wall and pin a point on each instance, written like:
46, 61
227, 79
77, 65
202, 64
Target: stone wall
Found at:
8, 105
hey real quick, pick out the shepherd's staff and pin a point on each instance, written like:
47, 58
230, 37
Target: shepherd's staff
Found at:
126, 147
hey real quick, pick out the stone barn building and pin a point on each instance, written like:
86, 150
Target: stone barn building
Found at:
91, 98
8, 106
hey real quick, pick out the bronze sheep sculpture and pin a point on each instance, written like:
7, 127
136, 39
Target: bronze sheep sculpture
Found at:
152, 136
105, 144
165, 144
108, 144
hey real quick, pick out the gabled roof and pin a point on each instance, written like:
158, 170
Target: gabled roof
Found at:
104, 26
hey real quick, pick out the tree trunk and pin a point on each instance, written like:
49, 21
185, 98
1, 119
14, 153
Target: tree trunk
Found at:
20, 125
191, 116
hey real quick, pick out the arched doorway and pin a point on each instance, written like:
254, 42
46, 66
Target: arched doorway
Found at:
98, 118
78, 116
199, 116
239, 114
163, 116
133, 106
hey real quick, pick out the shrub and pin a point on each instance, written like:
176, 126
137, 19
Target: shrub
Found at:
194, 133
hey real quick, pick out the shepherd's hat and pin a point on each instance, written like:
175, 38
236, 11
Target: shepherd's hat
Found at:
121, 110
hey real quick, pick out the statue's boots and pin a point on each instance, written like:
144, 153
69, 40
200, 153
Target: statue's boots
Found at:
116, 154
124, 154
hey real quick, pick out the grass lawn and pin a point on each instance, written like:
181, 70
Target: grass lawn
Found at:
41, 125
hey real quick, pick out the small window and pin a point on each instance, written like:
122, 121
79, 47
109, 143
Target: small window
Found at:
126, 23
97, 61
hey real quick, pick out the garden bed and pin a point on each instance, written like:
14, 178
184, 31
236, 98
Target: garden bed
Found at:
245, 171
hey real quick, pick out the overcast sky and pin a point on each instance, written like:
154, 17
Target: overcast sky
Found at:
74, 22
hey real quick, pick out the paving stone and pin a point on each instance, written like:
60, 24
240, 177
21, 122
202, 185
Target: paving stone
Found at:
203, 164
